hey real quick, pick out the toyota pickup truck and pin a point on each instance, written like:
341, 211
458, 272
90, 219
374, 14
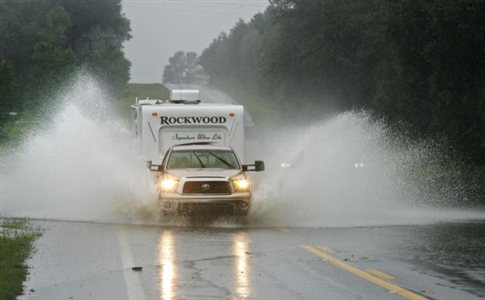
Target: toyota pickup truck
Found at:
204, 177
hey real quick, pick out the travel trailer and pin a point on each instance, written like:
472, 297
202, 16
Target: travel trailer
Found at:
197, 151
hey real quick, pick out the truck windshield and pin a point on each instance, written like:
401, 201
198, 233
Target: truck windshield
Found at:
215, 159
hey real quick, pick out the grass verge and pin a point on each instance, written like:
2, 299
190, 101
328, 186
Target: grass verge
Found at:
16, 245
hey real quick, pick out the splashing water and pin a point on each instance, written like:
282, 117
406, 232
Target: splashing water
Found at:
83, 165
348, 171
352, 171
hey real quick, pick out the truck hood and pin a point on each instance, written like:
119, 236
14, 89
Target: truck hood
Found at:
204, 173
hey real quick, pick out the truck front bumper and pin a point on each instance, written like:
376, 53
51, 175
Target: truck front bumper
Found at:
174, 203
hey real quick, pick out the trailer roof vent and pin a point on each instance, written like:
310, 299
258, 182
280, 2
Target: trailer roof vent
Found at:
185, 96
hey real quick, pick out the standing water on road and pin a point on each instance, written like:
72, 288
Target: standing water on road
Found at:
348, 171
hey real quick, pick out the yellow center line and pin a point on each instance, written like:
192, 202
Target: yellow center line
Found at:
380, 274
393, 288
326, 249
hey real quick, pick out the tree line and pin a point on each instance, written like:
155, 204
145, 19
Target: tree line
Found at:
419, 63
184, 68
43, 42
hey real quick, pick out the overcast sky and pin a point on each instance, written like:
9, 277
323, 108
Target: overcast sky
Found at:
162, 27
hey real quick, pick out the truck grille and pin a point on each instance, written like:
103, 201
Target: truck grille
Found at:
206, 187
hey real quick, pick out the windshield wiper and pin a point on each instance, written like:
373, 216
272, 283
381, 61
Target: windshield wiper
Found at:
198, 158
223, 160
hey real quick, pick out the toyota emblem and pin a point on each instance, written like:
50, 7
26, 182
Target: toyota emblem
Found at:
205, 187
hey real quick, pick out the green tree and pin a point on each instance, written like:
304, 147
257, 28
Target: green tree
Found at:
184, 68
43, 42
7, 91
415, 63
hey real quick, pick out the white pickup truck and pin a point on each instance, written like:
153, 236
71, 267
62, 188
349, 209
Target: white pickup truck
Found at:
196, 150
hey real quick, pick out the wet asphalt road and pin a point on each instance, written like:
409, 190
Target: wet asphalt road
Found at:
75, 260
94, 261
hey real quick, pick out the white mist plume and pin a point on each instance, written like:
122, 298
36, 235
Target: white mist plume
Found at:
351, 171
82, 165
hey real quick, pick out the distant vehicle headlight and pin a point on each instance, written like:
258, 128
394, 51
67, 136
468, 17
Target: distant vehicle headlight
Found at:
240, 184
285, 165
169, 184
359, 165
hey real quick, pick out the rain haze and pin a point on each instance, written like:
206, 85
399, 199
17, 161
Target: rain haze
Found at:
160, 28
318, 149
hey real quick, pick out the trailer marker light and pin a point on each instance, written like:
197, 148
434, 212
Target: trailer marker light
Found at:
154, 114
232, 114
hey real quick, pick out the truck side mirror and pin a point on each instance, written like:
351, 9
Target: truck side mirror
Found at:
259, 166
153, 167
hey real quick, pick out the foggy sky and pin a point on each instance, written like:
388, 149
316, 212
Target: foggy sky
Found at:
160, 28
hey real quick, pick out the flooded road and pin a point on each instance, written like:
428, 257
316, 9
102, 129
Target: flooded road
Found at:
94, 261
362, 215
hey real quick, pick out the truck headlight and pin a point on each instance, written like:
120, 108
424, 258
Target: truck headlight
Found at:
169, 184
240, 184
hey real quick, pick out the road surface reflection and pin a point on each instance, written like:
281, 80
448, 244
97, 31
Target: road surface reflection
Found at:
240, 250
168, 272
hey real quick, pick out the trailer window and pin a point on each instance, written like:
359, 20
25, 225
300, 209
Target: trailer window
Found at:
211, 159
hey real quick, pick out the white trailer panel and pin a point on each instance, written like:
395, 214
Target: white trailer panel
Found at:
159, 126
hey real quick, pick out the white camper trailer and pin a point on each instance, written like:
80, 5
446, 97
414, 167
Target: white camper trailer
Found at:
158, 126
197, 150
